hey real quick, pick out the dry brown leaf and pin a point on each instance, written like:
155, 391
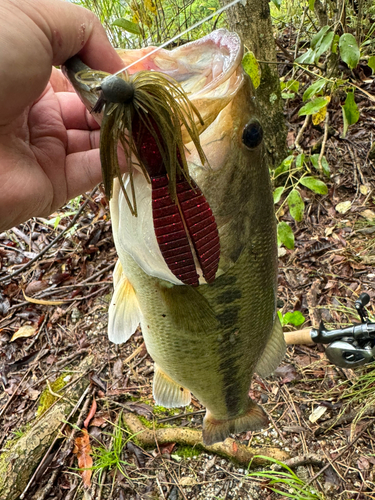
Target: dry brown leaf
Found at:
91, 413
43, 302
24, 331
36, 286
82, 449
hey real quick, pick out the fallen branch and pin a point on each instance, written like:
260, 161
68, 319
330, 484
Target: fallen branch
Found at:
18, 462
192, 437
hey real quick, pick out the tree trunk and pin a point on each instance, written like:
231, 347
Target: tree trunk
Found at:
253, 24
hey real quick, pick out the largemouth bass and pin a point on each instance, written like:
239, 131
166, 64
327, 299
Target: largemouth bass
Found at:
197, 268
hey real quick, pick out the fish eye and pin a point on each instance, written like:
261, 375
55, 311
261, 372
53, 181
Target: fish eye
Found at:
252, 134
117, 90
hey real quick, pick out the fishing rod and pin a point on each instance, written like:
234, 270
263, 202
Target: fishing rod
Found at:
347, 347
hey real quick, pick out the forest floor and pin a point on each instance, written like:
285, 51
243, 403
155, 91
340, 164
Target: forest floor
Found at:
57, 307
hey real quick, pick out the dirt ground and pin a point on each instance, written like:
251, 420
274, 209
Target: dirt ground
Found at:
55, 299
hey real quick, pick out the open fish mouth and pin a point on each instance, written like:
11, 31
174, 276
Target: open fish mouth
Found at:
154, 119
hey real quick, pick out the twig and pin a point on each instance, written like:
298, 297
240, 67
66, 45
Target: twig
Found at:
322, 150
55, 240
344, 419
300, 133
299, 33
307, 459
342, 452
58, 436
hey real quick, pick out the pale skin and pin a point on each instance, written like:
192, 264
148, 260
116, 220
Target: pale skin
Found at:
48, 141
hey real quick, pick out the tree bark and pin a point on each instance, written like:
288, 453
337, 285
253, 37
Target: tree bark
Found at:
253, 24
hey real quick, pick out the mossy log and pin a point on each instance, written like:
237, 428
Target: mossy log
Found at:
22, 456
191, 437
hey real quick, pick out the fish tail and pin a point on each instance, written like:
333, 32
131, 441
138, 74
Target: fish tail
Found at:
217, 430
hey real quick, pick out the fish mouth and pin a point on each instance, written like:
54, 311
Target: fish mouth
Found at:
210, 73
209, 70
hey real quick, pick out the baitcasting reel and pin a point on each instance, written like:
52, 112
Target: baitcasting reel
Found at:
351, 346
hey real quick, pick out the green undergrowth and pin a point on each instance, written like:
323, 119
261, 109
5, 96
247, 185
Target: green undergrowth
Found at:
285, 482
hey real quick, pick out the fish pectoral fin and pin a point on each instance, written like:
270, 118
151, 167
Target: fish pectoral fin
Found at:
273, 352
124, 314
167, 392
215, 431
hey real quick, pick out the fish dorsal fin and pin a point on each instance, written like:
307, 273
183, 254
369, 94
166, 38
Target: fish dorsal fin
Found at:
124, 313
273, 352
167, 392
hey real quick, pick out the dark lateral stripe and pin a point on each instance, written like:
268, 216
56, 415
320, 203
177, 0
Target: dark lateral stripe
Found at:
202, 227
171, 233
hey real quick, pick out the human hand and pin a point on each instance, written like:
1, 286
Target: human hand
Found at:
48, 141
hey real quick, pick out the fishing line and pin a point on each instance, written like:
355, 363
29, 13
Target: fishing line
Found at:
219, 11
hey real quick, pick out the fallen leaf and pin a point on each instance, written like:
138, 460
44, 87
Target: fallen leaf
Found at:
287, 372
167, 448
343, 207
82, 449
36, 286
364, 189
363, 463
91, 413
368, 214
317, 413
24, 331
100, 421
43, 302
187, 481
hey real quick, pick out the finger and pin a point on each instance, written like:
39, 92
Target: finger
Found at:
82, 140
83, 172
59, 82
39, 35
74, 112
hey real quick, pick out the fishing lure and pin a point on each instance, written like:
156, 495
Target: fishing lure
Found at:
145, 113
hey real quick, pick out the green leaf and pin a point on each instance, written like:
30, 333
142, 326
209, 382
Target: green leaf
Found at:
288, 95
300, 160
285, 235
296, 205
307, 58
349, 50
350, 112
317, 39
252, 68
292, 85
313, 89
277, 3
313, 106
284, 166
277, 194
371, 63
314, 184
326, 169
295, 318
311, 4
315, 162
324, 45
128, 26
